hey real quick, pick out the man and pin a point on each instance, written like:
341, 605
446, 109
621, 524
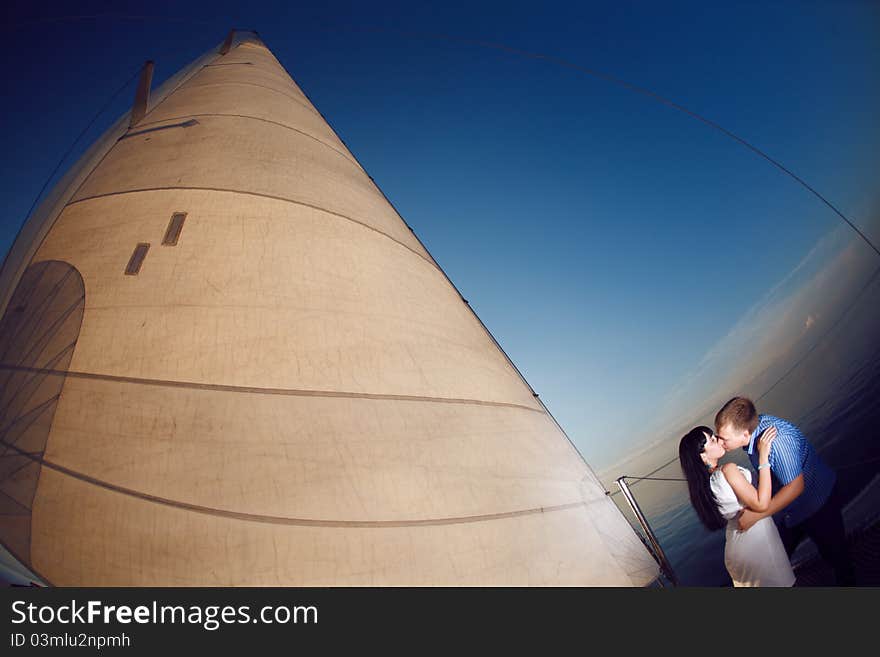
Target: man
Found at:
805, 495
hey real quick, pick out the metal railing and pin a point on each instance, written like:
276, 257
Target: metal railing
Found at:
658, 553
652, 543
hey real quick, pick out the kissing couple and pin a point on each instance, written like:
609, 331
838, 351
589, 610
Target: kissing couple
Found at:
796, 495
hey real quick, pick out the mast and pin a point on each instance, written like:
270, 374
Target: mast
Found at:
229, 361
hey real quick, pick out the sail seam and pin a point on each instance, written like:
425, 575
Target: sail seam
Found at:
430, 261
286, 520
261, 86
291, 392
255, 118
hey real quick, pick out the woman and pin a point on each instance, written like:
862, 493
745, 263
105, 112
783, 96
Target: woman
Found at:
755, 557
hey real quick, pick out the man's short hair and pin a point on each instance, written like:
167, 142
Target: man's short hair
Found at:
739, 413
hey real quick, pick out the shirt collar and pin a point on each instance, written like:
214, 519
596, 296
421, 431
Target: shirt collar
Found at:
750, 448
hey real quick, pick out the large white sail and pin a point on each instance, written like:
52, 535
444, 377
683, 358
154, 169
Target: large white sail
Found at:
228, 361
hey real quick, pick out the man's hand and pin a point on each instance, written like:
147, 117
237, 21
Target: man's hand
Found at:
747, 519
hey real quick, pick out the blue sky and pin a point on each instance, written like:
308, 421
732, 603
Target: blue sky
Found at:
614, 246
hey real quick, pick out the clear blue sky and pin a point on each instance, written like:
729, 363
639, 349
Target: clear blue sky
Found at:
609, 242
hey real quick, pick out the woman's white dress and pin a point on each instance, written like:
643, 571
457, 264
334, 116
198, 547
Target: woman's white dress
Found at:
755, 557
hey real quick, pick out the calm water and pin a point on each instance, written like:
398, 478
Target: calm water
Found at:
843, 429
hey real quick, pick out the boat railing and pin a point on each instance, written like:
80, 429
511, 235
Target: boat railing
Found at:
652, 543
650, 539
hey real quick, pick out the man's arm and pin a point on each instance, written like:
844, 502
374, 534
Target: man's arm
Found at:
785, 496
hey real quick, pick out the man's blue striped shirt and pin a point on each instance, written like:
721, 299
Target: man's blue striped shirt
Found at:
791, 455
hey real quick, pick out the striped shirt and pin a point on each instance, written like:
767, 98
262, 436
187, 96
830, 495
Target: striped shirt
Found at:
790, 456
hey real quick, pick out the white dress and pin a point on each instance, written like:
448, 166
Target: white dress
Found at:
755, 557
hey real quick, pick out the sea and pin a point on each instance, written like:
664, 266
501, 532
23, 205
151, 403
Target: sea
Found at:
842, 429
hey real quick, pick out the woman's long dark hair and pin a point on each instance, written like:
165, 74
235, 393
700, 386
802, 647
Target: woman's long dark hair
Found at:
697, 474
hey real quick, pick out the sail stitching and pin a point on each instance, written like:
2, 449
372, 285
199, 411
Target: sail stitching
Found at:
247, 116
286, 520
292, 392
269, 196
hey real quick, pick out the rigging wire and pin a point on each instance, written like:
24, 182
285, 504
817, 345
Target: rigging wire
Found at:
61, 161
552, 59
79, 137
86, 129
559, 61
648, 477
654, 478
133, 17
840, 467
678, 107
797, 363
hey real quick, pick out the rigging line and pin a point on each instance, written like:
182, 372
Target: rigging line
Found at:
819, 341
636, 479
457, 291
634, 88
61, 19
80, 136
838, 468
91, 123
653, 478
65, 156
655, 470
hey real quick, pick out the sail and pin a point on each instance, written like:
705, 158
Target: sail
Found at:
227, 360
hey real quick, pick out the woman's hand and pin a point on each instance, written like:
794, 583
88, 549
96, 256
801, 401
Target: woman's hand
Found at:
747, 519
764, 443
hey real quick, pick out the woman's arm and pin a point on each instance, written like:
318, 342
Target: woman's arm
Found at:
756, 500
784, 496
